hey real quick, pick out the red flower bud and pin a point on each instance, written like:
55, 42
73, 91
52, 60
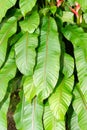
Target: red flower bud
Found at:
59, 2
77, 6
76, 9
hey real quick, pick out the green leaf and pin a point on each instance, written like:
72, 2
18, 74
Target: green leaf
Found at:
44, 11
81, 66
3, 114
50, 122
71, 2
68, 68
28, 116
15, 38
53, 9
85, 17
30, 23
78, 38
7, 30
4, 6
74, 122
25, 53
60, 100
26, 6
48, 0
29, 88
17, 13
68, 17
80, 106
48, 61
7, 73
80, 92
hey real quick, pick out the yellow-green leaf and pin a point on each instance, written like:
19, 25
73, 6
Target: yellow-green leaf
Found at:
26, 6
30, 23
7, 30
4, 6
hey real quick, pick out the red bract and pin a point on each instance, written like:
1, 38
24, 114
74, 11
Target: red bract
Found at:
76, 9
77, 6
59, 2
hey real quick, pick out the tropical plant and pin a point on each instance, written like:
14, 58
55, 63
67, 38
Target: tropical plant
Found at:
43, 64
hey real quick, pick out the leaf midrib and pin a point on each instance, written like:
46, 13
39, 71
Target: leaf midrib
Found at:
26, 52
46, 53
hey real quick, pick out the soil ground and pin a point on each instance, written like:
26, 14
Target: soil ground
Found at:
14, 100
10, 121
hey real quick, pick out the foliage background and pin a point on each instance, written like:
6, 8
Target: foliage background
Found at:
43, 64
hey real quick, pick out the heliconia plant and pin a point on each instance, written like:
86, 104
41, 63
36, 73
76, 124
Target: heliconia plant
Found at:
43, 64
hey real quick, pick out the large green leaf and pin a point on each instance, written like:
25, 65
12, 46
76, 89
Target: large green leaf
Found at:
78, 38
7, 30
60, 100
26, 6
74, 122
25, 53
3, 114
50, 122
68, 68
80, 107
48, 60
80, 92
29, 88
30, 23
28, 116
85, 17
68, 17
4, 6
7, 73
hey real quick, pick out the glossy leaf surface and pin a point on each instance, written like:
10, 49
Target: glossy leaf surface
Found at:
30, 23
79, 42
28, 115
4, 6
25, 53
7, 30
68, 68
3, 114
47, 68
29, 88
26, 6
74, 122
61, 98
7, 73
50, 122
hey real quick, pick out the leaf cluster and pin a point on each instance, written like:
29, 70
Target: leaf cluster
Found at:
43, 64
